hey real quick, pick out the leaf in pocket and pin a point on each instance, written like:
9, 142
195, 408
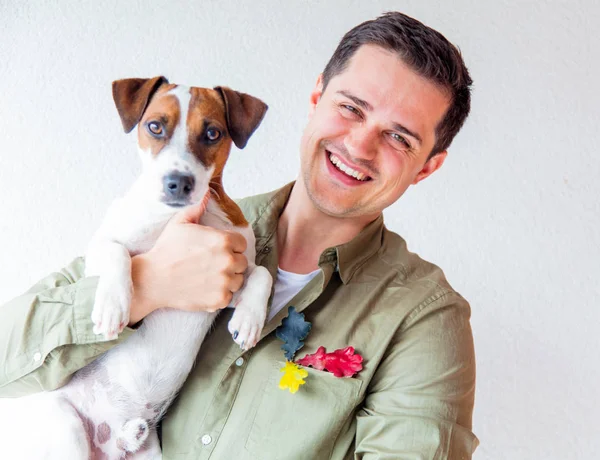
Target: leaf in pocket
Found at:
293, 377
292, 331
341, 363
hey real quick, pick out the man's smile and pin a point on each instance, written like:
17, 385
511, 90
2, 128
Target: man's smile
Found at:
343, 172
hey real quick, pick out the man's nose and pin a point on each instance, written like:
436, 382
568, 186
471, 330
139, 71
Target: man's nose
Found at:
178, 186
362, 141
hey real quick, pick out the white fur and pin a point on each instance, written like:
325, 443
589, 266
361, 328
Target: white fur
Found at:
129, 388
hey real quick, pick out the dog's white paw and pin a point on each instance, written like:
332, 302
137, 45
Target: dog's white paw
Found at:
133, 435
247, 323
111, 307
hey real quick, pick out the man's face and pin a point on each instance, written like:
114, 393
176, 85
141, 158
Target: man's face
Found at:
376, 120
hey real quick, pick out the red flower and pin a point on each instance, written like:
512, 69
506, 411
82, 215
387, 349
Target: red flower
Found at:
342, 362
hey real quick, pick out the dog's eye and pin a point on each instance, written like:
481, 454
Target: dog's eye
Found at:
155, 128
213, 134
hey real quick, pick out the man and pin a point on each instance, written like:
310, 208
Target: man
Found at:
382, 116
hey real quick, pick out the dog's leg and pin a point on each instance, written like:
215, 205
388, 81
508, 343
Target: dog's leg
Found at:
72, 440
251, 301
149, 451
251, 307
112, 263
133, 435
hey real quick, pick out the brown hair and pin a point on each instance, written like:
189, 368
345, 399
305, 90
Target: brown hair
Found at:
424, 50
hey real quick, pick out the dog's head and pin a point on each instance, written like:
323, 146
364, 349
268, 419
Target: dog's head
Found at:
184, 134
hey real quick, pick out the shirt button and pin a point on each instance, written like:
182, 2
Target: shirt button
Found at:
37, 356
206, 439
267, 249
239, 362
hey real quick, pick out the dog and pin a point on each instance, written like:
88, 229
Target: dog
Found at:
110, 409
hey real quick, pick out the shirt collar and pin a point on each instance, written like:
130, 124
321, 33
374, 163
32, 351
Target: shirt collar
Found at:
346, 258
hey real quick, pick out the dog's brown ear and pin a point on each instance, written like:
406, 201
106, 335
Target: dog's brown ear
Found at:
244, 113
132, 96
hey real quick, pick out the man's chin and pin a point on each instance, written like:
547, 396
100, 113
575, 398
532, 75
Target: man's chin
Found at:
329, 199
324, 203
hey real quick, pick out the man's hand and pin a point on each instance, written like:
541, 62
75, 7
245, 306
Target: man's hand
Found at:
191, 267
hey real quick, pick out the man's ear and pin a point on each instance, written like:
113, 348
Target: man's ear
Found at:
132, 95
431, 166
315, 95
243, 113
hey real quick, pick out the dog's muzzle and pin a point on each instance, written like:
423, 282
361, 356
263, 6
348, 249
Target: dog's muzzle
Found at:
177, 188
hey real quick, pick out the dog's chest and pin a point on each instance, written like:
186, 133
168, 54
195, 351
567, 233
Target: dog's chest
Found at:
142, 240
138, 228
133, 226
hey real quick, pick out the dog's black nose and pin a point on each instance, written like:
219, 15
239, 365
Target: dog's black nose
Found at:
178, 186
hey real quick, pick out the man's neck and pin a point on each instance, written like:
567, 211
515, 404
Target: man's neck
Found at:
304, 232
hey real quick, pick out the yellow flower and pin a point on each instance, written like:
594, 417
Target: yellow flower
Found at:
293, 376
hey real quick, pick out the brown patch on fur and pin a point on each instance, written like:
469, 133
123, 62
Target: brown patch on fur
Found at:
98, 454
244, 113
103, 432
131, 96
165, 109
90, 433
206, 111
232, 210
89, 427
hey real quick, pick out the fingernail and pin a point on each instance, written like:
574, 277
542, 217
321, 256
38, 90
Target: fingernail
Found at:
235, 335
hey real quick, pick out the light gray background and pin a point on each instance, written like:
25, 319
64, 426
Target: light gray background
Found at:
510, 217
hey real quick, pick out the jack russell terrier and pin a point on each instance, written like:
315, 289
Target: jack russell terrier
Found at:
110, 408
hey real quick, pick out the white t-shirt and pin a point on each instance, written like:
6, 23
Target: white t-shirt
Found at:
287, 285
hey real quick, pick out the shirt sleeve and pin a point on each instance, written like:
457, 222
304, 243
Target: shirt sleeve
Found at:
420, 401
46, 334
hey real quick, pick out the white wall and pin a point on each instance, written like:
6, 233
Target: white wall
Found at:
511, 217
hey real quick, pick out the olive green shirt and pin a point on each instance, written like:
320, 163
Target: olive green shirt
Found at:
413, 399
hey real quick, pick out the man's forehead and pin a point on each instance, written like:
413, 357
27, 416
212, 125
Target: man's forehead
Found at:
381, 71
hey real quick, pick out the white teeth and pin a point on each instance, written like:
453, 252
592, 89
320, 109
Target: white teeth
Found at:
346, 169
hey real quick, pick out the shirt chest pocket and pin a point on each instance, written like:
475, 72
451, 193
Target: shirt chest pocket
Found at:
300, 425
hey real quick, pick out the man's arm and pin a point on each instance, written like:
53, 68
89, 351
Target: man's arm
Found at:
420, 401
46, 334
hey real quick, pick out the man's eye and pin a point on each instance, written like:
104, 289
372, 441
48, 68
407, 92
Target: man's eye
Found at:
212, 134
350, 108
155, 128
397, 137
